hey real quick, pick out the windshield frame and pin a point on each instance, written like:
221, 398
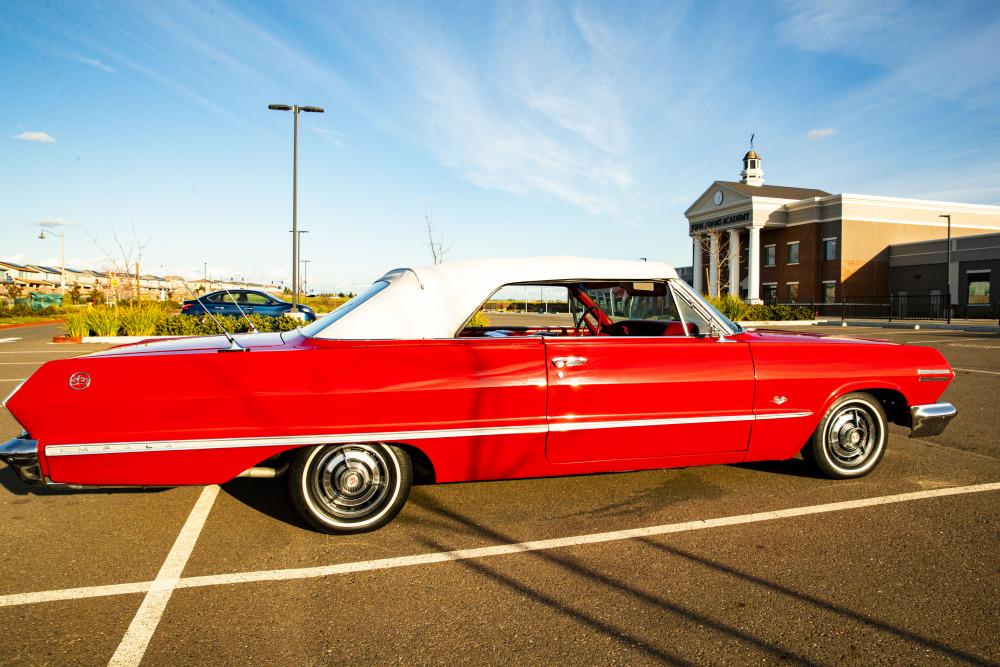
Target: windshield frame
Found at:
312, 329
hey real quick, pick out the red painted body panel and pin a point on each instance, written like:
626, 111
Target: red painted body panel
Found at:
290, 386
648, 378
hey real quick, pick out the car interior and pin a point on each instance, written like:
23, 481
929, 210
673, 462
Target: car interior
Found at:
616, 308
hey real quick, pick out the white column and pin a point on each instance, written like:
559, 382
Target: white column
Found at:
753, 275
734, 262
697, 282
713, 266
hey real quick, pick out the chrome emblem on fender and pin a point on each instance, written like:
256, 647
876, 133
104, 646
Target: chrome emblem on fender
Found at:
779, 400
79, 380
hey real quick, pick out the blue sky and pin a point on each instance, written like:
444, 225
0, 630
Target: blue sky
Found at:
528, 128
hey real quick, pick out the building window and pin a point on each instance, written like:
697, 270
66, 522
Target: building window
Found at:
792, 291
979, 287
769, 255
829, 291
829, 249
769, 292
793, 252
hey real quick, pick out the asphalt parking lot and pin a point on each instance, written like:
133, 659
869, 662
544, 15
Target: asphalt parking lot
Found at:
724, 564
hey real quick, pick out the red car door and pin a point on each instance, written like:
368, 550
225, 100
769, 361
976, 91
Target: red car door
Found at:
634, 398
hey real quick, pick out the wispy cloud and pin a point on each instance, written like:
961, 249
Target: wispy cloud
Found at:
94, 62
34, 135
334, 137
531, 108
821, 133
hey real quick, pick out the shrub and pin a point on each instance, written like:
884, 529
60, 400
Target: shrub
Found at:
140, 320
479, 320
76, 326
102, 321
731, 306
177, 326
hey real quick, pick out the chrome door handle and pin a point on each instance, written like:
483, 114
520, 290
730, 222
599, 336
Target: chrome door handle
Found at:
565, 362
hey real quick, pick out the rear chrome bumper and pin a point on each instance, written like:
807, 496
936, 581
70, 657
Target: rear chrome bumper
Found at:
930, 419
21, 454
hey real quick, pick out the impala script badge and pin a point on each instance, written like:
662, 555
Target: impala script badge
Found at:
79, 380
778, 400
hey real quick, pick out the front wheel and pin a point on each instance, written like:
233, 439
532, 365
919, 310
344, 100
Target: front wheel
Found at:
850, 439
351, 488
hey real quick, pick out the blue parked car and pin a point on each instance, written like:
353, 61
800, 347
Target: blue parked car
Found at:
250, 301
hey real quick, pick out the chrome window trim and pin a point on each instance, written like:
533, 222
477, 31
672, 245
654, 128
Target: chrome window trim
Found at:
391, 436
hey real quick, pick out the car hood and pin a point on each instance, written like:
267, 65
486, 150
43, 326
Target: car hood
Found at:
194, 344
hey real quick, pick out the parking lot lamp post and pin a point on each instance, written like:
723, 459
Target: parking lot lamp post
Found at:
948, 266
305, 277
295, 109
62, 258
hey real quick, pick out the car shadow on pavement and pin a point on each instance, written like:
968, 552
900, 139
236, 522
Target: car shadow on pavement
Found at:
14, 484
579, 613
267, 496
789, 468
849, 614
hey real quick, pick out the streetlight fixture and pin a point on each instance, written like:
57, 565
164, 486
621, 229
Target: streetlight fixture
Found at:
305, 277
295, 109
948, 266
62, 258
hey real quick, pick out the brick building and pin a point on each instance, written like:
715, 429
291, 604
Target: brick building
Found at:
809, 245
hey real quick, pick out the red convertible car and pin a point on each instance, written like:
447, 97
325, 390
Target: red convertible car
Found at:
630, 370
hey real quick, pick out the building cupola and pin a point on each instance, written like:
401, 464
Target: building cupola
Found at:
753, 173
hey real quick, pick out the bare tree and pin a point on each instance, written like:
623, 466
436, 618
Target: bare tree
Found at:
122, 261
435, 241
703, 244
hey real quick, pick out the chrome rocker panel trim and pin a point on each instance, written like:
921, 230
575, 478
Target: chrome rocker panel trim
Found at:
389, 436
21, 454
930, 419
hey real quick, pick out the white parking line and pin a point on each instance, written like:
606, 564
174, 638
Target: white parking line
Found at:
8, 340
140, 631
975, 370
12, 379
481, 552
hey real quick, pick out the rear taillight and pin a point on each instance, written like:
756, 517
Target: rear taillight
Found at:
185, 306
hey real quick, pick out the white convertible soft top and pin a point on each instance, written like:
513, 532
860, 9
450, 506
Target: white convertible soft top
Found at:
434, 301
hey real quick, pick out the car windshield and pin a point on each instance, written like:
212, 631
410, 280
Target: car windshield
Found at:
344, 310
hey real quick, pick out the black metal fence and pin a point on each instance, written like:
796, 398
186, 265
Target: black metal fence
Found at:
896, 307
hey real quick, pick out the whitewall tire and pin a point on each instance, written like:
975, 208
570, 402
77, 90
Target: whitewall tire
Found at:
352, 488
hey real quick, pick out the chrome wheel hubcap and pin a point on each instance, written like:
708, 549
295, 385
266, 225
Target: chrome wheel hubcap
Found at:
351, 481
852, 436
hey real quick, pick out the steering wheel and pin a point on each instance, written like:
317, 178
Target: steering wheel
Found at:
583, 320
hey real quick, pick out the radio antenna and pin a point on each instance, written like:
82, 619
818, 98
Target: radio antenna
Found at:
240, 308
233, 345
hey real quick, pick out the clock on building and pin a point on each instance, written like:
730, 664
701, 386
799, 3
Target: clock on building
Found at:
718, 198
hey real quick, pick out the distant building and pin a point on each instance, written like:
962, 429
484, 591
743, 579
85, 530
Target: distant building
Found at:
920, 268
789, 243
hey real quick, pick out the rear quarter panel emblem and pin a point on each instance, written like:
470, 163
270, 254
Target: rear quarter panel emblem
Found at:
79, 380
778, 400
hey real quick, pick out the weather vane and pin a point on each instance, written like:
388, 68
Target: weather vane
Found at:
751, 140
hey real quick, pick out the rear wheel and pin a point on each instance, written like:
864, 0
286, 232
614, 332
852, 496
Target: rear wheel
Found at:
352, 488
850, 439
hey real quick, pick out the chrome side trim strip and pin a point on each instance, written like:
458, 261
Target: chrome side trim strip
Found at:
390, 436
935, 371
784, 415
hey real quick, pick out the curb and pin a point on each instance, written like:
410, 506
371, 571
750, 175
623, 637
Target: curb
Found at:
984, 328
779, 323
126, 340
28, 324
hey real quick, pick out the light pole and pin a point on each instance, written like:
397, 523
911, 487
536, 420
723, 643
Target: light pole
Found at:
305, 277
62, 258
298, 248
295, 109
948, 266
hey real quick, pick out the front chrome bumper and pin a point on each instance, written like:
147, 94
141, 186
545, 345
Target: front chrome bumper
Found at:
21, 454
930, 419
